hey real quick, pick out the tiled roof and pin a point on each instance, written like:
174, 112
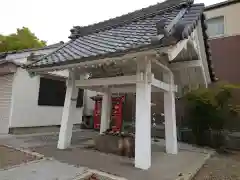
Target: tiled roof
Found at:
33, 57
175, 19
56, 45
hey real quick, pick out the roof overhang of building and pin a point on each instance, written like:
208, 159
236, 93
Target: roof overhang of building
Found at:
7, 68
168, 53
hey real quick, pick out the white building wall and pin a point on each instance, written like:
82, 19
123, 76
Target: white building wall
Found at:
25, 109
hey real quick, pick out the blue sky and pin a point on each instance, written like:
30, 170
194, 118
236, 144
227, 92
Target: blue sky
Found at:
51, 20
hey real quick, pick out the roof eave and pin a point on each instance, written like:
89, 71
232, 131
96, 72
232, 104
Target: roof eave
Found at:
131, 53
9, 62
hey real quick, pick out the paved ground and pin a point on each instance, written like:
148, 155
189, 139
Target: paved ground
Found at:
221, 167
11, 157
43, 169
164, 167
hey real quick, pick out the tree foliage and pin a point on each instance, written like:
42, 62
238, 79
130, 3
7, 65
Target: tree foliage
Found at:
22, 39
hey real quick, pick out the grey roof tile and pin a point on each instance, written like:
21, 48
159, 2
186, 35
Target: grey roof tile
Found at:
127, 32
119, 38
52, 46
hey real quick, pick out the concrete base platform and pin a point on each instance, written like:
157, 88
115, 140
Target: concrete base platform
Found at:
164, 166
40, 129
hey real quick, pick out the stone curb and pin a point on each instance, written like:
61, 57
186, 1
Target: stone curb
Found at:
27, 163
26, 151
40, 156
192, 174
87, 171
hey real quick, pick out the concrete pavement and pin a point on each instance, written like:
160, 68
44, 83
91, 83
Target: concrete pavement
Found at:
71, 162
42, 169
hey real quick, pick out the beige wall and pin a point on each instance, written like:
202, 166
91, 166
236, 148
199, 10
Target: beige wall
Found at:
231, 15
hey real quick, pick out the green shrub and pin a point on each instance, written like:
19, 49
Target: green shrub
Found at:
208, 113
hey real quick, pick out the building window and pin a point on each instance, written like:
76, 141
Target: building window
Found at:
216, 26
52, 93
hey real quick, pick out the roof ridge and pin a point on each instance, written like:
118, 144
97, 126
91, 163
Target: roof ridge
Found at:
137, 15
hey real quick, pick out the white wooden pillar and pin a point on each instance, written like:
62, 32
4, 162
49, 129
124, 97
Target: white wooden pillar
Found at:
65, 134
143, 116
170, 117
106, 111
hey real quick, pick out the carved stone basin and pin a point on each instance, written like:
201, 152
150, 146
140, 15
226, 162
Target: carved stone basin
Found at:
115, 144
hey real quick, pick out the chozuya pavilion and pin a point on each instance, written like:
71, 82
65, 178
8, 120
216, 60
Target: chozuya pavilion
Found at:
155, 50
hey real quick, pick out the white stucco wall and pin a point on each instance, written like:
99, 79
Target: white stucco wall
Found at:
25, 110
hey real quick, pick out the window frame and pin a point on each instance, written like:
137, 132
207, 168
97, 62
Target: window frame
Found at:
44, 97
219, 35
51, 88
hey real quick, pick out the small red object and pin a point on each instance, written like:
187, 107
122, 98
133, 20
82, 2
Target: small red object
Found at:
97, 114
116, 113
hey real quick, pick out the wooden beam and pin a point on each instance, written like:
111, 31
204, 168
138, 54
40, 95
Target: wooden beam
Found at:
110, 81
128, 84
194, 41
176, 49
185, 64
130, 89
163, 86
162, 66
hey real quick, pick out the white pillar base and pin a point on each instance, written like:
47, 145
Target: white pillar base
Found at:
106, 111
143, 122
65, 134
170, 122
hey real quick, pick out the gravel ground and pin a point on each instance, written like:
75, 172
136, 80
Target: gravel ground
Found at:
11, 157
221, 167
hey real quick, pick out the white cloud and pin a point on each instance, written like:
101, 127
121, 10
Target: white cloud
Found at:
51, 20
